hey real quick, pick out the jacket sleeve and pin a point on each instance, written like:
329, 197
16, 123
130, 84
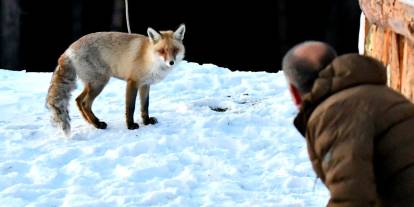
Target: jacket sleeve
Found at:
343, 145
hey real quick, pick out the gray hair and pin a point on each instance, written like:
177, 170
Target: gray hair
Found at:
302, 63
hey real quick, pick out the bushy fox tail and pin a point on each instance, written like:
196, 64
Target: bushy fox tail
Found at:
62, 84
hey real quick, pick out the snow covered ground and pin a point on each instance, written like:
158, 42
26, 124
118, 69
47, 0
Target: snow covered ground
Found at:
223, 139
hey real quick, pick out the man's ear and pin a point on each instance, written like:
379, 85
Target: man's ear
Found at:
297, 99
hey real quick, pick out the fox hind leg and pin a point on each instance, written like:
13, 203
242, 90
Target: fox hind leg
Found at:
85, 100
80, 104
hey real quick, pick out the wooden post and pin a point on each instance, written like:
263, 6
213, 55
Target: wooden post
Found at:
390, 39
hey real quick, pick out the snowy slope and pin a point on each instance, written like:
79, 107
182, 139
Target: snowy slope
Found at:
245, 152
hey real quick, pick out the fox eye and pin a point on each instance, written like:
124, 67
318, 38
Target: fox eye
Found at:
161, 51
175, 50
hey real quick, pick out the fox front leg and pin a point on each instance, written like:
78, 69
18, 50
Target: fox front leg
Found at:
131, 95
144, 98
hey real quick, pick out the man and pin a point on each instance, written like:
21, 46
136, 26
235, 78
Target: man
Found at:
359, 132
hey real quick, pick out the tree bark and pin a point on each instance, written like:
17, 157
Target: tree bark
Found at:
390, 39
397, 15
118, 16
10, 33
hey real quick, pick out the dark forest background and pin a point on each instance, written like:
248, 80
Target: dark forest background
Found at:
240, 35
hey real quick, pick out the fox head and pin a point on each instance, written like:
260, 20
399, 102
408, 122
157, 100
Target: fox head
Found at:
168, 45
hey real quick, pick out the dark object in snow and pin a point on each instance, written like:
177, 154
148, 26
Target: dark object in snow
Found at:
218, 109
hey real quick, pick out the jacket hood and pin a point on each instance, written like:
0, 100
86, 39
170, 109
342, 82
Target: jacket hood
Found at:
344, 72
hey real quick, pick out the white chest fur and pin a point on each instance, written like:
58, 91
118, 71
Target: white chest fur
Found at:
156, 74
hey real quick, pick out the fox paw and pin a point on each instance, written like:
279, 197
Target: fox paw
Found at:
101, 125
150, 120
133, 126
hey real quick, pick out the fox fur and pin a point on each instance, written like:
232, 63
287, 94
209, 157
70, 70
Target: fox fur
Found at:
94, 58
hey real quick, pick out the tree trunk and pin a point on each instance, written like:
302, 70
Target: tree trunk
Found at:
10, 33
118, 16
390, 39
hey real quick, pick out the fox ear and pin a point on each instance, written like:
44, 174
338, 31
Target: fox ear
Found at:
153, 35
179, 33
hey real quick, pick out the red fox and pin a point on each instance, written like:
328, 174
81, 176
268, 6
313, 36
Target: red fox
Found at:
95, 58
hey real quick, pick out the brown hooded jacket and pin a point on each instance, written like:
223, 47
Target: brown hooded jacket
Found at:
360, 134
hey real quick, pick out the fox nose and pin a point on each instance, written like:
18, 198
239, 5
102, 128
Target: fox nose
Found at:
171, 62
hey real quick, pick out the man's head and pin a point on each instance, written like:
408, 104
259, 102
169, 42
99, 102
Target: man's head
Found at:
301, 66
